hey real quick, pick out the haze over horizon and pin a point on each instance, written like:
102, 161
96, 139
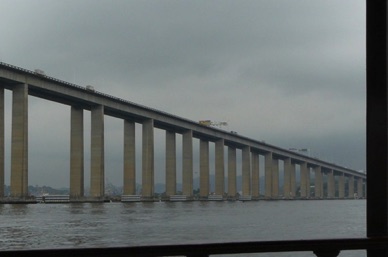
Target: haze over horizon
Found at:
290, 73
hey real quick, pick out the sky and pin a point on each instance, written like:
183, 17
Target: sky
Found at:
287, 72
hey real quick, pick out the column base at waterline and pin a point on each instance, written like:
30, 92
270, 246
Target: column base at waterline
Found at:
131, 198
245, 198
215, 198
181, 198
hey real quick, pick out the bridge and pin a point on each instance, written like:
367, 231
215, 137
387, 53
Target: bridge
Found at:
331, 177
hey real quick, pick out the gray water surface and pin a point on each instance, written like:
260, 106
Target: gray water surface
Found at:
126, 224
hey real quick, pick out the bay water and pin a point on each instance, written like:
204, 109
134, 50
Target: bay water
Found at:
37, 226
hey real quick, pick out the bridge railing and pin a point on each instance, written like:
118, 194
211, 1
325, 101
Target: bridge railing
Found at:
320, 247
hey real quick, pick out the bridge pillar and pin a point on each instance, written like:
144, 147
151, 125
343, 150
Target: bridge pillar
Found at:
232, 184
148, 159
255, 176
2, 142
304, 190
97, 180
289, 170
275, 178
330, 185
19, 147
170, 163
204, 168
341, 186
76, 153
318, 185
187, 164
219, 168
246, 171
360, 194
129, 158
308, 182
293, 181
351, 187
268, 175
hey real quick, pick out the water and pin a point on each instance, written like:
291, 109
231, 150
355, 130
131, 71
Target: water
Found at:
126, 224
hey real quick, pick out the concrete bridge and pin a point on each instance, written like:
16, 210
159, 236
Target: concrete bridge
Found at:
24, 82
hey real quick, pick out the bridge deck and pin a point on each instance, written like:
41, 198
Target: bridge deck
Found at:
70, 94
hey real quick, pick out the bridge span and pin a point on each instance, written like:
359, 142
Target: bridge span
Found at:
334, 178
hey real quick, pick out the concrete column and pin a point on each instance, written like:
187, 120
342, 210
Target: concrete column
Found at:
304, 190
293, 181
1, 142
318, 184
268, 175
170, 163
204, 168
219, 167
360, 194
97, 176
255, 176
232, 184
341, 186
288, 169
275, 178
351, 187
148, 159
246, 171
19, 147
129, 158
76, 153
308, 182
330, 185
187, 164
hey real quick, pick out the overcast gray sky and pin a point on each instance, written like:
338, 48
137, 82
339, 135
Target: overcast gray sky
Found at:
289, 72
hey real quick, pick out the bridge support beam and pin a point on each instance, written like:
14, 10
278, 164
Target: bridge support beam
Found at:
97, 176
2, 142
330, 185
268, 175
318, 185
351, 187
293, 180
341, 186
246, 171
289, 168
204, 168
148, 160
304, 190
360, 192
170, 163
129, 158
275, 178
19, 147
219, 168
187, 163
232, 184
308, 182
76, 153
255, 176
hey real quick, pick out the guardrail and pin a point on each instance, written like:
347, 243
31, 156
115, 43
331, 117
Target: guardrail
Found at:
320, 247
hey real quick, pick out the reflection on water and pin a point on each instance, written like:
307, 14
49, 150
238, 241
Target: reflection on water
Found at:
123, 224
